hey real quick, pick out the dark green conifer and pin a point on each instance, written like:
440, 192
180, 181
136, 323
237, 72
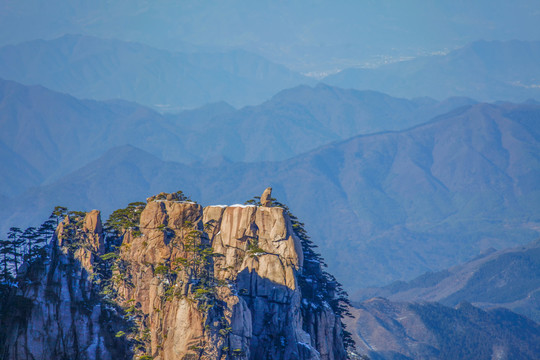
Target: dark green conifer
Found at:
15, 244
58, 214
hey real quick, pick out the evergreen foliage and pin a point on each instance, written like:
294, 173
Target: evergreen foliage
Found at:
28, 247
58, 213
122, 220
176, 196
6, 276
24, 246
190, 275
14, 245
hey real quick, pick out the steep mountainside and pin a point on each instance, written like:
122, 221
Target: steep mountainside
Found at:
101, 69
430, 331
54, 133
484, 70
223, 282
55, 312
407, 202
17, 174
507, 278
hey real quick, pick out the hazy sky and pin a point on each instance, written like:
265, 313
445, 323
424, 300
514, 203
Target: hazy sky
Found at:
305, 35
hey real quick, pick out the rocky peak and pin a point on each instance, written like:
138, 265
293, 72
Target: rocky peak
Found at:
223, 282
266, 197
57, 312
93, 229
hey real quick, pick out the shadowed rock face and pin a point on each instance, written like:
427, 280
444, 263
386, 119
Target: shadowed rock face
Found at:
260, 303
56, 313
240, 299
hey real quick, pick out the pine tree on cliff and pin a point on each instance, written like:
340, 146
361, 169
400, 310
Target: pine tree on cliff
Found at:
26, 245
122, 220
5, 252
6, 275
45, 231
15, 245
29, 236
11, 252
58, 213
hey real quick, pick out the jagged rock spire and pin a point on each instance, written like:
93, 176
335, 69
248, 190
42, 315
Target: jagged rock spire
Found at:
178, 309
266, 197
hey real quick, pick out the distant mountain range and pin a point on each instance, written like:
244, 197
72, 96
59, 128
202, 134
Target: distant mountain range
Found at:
507, 278
102, 69
305, 35
387, 330
46, 134
384, 207
484, 70
301, 119
403, 151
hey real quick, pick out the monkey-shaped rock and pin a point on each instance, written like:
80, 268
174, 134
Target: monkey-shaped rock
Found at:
266, 197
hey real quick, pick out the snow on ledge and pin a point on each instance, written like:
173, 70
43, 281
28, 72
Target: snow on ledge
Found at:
174, 201
245, 206
242, 205
235, 205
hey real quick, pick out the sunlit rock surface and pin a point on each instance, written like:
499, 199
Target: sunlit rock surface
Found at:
241, 299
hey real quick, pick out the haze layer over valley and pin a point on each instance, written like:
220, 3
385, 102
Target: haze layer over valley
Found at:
438, 193
404, 135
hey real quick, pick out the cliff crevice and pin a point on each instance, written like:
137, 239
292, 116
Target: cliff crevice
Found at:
56, 312
182, 282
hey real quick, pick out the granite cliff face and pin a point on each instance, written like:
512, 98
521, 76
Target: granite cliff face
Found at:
223, 282
56, 312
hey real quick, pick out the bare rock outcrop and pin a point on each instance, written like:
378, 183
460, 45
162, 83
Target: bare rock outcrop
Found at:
266, 197
56, 313
251, 303
223, 282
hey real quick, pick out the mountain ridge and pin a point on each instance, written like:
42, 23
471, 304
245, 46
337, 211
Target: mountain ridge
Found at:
507, 278
401, 197
52, 128
393, 330
91, 67
484, 70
